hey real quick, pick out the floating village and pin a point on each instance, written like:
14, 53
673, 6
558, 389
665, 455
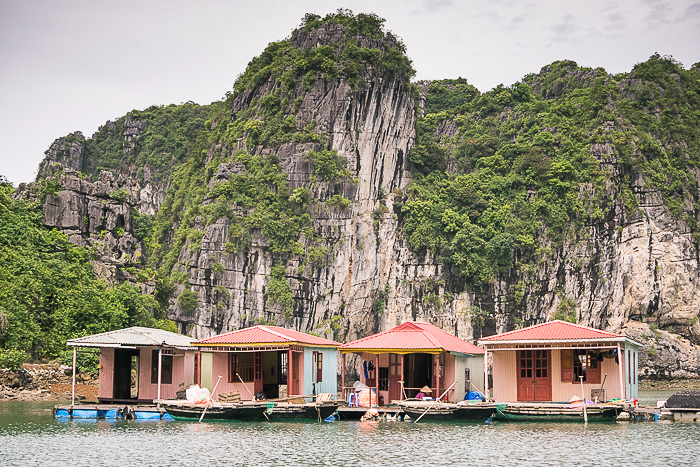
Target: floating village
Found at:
555, 371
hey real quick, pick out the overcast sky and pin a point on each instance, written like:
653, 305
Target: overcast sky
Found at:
72, 65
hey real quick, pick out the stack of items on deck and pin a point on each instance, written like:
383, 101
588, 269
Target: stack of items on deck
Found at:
234, 396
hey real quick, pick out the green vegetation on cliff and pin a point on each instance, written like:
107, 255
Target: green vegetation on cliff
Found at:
157, 138
515, 171
48, 291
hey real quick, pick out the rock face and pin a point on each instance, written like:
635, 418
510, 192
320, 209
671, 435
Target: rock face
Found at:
372, 129
96, 215
665, 355
68, 152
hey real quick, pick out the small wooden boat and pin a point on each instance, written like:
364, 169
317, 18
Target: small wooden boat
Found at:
556, 412
222, 411
446, 411
306, 411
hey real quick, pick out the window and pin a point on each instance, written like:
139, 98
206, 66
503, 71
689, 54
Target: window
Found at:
580, 362
242, 364
166, 369
629, 367
383, 378
318, 366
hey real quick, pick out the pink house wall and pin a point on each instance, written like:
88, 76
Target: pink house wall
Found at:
505, 389
449, 372
219, 366
504, 376
563, 391
183, 372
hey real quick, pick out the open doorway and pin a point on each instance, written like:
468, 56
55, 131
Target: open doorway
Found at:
126, 374
418, 372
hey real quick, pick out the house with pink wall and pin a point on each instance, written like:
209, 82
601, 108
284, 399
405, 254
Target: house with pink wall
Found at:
398, 362
276, 361
554, 361
140, 364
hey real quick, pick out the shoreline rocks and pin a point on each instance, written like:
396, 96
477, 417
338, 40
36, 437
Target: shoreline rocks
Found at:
44, 382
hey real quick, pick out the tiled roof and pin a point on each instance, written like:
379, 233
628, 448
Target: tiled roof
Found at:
266, 335
412, 335
553, 331
135, 336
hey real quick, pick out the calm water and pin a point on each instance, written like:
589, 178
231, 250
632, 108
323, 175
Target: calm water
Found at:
29, 436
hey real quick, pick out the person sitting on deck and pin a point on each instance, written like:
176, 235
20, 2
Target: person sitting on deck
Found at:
423, 393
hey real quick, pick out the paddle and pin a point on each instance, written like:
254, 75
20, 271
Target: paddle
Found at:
207, 404
436, 401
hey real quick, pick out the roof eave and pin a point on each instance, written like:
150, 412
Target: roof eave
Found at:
555, 341
398, 351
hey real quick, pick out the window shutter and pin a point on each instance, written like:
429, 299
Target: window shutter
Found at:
567, 366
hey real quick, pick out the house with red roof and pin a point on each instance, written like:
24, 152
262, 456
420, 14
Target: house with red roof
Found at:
554, 361
399, 362
277, 361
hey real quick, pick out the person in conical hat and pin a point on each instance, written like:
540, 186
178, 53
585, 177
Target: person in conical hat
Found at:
424, 391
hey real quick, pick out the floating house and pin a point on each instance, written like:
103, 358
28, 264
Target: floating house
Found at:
548, 362
399, 362
161, 361
276, 361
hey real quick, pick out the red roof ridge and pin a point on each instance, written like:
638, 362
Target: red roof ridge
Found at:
372, 336
274, 332
432, 339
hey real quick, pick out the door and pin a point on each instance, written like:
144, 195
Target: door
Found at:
395, 376
295, 371
258, 372
534, 375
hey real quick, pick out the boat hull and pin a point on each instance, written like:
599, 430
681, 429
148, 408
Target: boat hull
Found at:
312, 412
555, 414
232, 412
449, 412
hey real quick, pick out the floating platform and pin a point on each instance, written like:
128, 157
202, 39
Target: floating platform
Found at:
109, 412
684, 406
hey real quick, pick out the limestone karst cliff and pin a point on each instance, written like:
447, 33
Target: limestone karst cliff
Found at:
329, 194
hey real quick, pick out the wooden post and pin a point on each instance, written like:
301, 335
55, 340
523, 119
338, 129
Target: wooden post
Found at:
199, 366
342, 379
437, 374
583, 398
72, 398
621, 374
160, 367
290, 371
376, 376
402, 376
486, 374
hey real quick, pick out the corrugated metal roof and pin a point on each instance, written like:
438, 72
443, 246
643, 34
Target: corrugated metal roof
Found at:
413, 335
553, 331
135, 336
266, 335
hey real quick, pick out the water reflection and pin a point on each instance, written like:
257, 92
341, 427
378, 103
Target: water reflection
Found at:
30, 436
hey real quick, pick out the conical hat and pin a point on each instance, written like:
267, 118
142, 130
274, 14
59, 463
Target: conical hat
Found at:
425, 389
